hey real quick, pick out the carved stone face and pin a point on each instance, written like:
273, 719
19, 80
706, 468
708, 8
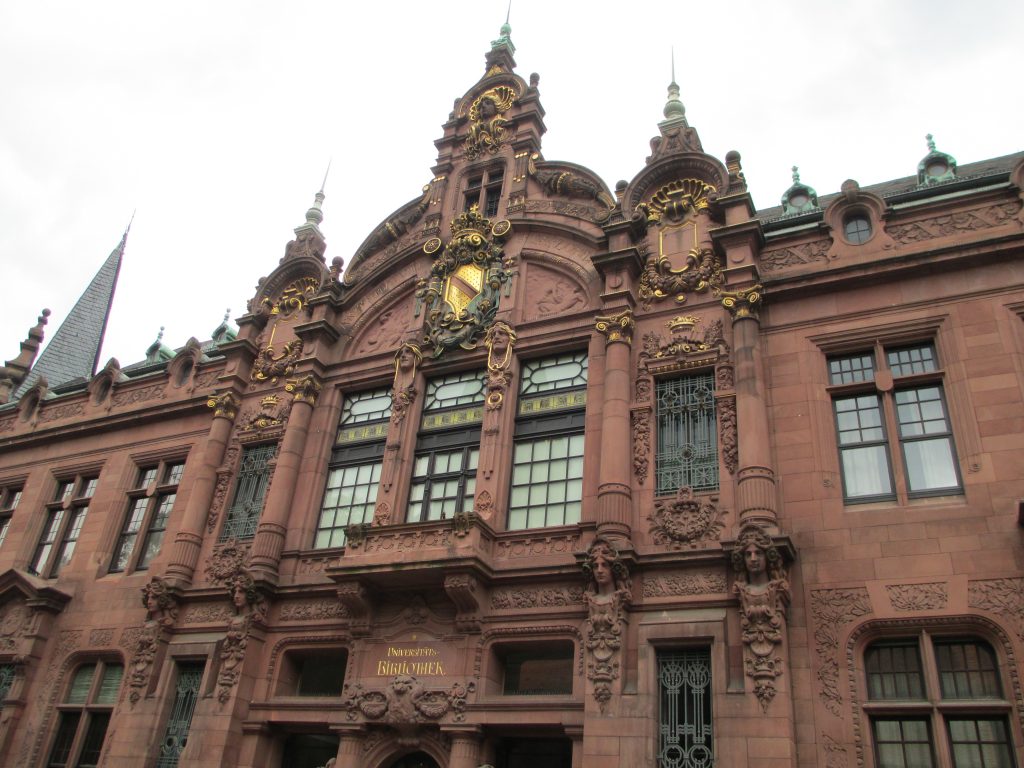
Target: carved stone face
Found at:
487, 109
602, 571
238, 596
754, 559
406, 359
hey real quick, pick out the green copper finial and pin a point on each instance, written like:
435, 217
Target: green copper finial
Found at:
505, 37
674, 109
799, 198
936, 166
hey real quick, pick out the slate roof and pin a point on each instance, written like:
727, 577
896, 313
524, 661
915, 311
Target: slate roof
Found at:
73, 351
971, 172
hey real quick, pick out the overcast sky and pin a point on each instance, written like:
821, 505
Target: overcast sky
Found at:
215, 120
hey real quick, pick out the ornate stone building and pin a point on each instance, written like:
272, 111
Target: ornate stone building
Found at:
547, 475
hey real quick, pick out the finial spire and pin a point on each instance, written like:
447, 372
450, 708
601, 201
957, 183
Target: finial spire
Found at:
674, 109
315, 214
508, 13
160, 336
227, 314
796, 175
931, 142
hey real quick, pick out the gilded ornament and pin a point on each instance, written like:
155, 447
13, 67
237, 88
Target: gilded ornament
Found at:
305, 389
433, 245
742, 303
617, 327
500, 338
676, 200
659, 280
462, 293
488, 129
225, 406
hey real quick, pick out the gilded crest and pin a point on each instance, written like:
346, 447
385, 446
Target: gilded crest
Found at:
461, 295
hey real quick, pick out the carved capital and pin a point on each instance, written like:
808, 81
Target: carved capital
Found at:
461, 589
617, 327
743, 304
304, 389
356, 600
225, 405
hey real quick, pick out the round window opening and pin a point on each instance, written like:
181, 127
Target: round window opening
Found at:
857, 228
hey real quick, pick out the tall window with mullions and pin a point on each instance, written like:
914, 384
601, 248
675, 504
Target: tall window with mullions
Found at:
547, 463
447, 448
687, 434
355, 466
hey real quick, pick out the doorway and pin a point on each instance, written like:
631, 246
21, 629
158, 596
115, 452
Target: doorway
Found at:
415, 760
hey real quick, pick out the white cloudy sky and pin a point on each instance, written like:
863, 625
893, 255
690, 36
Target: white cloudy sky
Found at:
215, 120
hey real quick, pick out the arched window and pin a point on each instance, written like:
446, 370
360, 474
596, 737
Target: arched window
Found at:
937, 701
84, 714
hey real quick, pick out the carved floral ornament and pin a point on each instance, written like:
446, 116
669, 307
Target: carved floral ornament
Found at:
461, 295
676, 200
488, 128
405, 701
686, 521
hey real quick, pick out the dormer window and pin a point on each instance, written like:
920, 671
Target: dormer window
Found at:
484, 191
857, 228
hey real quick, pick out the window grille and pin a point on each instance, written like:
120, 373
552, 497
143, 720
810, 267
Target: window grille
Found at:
687, 434
6, 679
253, 479
684, 732
185, 695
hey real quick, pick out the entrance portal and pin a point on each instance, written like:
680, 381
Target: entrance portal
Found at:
416, 760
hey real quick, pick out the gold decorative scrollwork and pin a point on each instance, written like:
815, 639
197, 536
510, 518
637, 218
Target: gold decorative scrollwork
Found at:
305, 389
677, 199
225, 406
487, 129
293, 297
617, 327
743, 303
659, 281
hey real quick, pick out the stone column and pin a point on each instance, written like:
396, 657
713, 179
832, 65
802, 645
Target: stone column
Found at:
350, 748
189, 539
756, 477
614, 498
465, 747
273, 526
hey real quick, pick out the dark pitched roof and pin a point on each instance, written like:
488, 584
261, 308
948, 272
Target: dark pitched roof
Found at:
73, 351
997, 166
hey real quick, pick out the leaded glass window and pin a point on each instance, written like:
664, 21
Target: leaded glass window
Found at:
186, 692
687, 453
9, 498
65, 517
84, 715
547, 460
250, 492
149, 508
456, 389
685, 738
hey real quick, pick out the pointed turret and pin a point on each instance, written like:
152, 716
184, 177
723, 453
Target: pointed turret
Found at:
74, 350
309, 240
14, 371
676, 133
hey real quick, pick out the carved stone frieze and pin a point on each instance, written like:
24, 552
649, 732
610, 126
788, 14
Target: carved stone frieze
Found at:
607, 595
407, 541
382, 514
232, 655
220, 489
15, 623
561, 207
537, 545
1003, 597
64, 411
206, 614
101, 637
268, 417
405, 700
918, 597
553, 597
686, 521
393, 229
483, 505
763, 591
684, 584
640, 419
642, 389
356, 599
797, 255
835, 753
313, 610
728, 436
555, 295
831, 610
228, 560
122, 398
953, 223
386, 331
143, 658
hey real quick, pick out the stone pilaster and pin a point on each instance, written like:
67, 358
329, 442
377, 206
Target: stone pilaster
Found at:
465, 747
350, 748
189, 539
614, 498
273, 526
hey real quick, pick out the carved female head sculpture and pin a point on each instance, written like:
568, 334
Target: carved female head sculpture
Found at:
158, 600
755, 559
500, 338
407, 359
606, 573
